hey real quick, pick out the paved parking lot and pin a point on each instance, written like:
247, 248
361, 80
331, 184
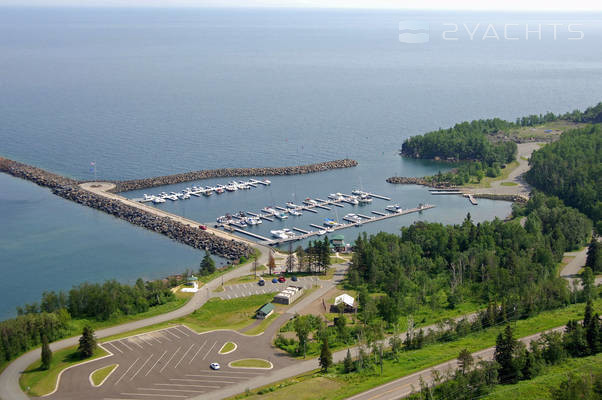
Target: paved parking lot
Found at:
250, 289
168, 363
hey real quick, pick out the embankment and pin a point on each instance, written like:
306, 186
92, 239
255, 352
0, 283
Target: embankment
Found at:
402, 180
69, 189
136, 184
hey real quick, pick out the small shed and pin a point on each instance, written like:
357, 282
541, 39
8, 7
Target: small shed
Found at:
348, 301
265, 311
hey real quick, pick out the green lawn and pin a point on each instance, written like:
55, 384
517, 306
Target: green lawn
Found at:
429, 356
38, 382
486, 181
222, 271
257, 329
251, 363
227, 348
509, 184
539, 387
101, 374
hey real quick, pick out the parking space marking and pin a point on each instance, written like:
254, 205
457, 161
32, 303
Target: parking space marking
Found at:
147, 395
132, 340
206, 354
125, 345
128, 370
200, 380
172, 356
225, 371
164, 336
155, 364
144, 340
197, 353
112, 345
190, 348
171, 333
186, 385
140, 369
173, 390
221, 374
181, 331
154, 337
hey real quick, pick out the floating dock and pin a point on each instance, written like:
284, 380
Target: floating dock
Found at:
300, 230
471, 199
379, 213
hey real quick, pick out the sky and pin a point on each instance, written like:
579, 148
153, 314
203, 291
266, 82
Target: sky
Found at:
506, 5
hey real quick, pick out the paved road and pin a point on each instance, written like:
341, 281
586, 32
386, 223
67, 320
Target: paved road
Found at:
408, 384
252, 288
570, 272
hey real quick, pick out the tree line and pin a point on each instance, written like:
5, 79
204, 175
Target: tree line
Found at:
514, 362
571, 168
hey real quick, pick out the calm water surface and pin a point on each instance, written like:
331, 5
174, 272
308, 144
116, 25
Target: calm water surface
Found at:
151, 92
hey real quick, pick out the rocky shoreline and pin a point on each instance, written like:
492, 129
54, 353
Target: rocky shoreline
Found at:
402, 180
137, 184
69, 189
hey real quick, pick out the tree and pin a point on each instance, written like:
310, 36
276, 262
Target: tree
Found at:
465, 361
325, 356
302, 328
87, 342
207, 265
46, 353
271, 263
592, 334
594, 255
505, 346
348, 362
588, 282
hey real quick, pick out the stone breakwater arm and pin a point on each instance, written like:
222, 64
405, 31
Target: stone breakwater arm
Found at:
402, 180
136, 184
69, 189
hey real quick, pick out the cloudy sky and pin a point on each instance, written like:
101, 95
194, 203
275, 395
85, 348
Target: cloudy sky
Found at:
535, 5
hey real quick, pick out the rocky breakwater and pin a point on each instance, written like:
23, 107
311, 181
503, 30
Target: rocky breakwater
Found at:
402, 180
124, 186
70, 190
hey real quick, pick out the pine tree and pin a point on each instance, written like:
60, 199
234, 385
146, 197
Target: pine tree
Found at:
587, 315
465, 361
348, 362
207, 265
325, 356
592, 334
87, 342
505, 345
46, 353
594, 255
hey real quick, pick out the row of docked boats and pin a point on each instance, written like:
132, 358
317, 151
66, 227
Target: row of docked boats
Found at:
206, 191
240, 219
358, 197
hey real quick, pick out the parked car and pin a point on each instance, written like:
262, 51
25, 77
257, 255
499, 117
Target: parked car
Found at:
214, 366
294, 279
261, 282
274, 280
203, 227
281, 279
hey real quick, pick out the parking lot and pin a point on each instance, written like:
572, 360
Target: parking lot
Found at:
168, 363
250, 289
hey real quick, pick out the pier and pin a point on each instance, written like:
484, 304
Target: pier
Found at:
309, 209
344, 226
300, 230
471, 199
379, 213
322, 206
256, 236
363, 216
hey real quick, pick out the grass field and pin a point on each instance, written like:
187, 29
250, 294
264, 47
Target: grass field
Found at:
486, 181
257, 329
539, 132
509, 184
101, 374
251, 363
413, 361
37, 382
539, 387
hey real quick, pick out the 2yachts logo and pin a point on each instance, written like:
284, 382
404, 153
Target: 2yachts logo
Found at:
420, 31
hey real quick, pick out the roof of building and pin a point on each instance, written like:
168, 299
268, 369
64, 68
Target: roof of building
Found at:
266, 308
338, 237
344, 298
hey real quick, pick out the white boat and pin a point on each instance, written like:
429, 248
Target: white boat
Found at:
267, 182
158, 200
330, 222
282, 233
358, 192
322, 232
269, 210
353, 200
231, 188
333, 196
393, 208
352, 218
365, 199
253, 220
147, 198
310, 202
329, 230
295, 213
185, 196
281, 215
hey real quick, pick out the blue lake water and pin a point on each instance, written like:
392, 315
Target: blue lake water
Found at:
151, 92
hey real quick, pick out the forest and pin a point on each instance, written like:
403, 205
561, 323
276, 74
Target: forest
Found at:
571, 168
440, 266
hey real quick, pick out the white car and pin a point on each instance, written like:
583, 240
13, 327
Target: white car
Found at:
214, 366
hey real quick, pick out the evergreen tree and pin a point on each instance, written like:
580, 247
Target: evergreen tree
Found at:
594, 255
87, 342
587, 315
465, 361
348, 362
46, 353
271, 263
592, 335
505, 346
207, 265
325, 356
325, 254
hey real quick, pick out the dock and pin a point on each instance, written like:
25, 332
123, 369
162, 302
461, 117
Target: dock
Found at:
378, 196
281, 208
322, 206
300, 230
364, 216
344, 226
471, 199
256, 236
379, 213
446, 192
263, 216
317, 226
309, 209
